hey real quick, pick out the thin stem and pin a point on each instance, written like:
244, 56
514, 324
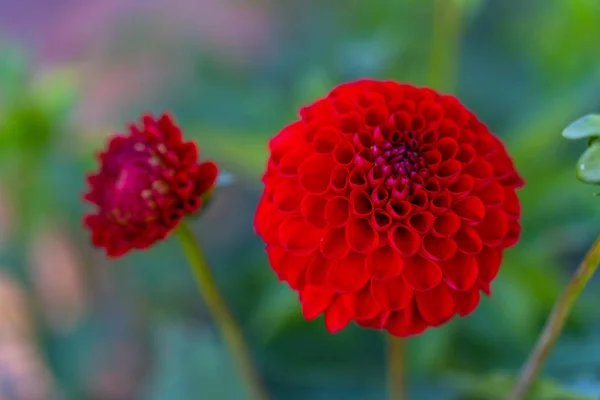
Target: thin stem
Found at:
230, 331
445, 44
556, 322
396, 378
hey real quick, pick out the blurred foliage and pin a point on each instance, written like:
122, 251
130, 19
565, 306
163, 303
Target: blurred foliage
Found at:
526, 68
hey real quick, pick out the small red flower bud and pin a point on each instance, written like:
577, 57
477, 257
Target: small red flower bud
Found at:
149, 179
388, 205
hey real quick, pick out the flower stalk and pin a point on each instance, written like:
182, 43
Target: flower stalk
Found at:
445, 44
230, 331
396, 373
556, 322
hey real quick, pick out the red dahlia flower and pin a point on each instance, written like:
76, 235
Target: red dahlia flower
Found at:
148, 180
388, 205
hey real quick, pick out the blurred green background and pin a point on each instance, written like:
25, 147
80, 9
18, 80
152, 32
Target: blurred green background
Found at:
233, 72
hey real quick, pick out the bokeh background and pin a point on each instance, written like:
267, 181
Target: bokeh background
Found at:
74, 325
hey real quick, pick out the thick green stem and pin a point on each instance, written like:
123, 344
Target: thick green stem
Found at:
445, 44
396, 378
556, 322
230, 331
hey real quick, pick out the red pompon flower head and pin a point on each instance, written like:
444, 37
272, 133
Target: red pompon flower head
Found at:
388, 205
149, 179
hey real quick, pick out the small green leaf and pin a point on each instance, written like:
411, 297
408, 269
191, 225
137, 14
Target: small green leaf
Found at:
585, 127
588, 166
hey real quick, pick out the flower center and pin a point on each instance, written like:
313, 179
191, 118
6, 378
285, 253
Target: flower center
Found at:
400, 160
133, 186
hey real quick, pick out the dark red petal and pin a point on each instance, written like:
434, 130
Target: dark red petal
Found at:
361, 203
492, 195
391, 295
384, 263
313, 209
358, 179
285, 141
489, 260
285, 264
398, 209
350, 122
380, 220
206, 175
467, 301
421, 222
461, 271
446, 224
360, 236
406, 322
348, 274
316, 272
439, 248
337, 315
418, 200
339, 179
404, 240
468, 241
470, 209
511, 203
494, 227
298, 236
288, 195
334, 245
376, 115
481, 170
466, 153
314, 302
337, 211
315, 172
290, 161
421, 273
462, 187
485, 287
325, 140
377, 322
449, 171
361, 304
436, 306
441, 203
343, 154
448, 147
514, 232
267, 222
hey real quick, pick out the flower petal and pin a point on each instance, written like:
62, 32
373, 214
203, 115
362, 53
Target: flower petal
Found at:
421, 273
461, 271
361, 304
314, 302
436, 306
337, 315
348, 274
466, 301
384, 263
391, 295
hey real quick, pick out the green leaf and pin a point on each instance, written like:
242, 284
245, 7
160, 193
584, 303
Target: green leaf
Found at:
588, 166
585, 127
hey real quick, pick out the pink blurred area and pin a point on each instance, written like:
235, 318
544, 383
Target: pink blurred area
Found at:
125, 50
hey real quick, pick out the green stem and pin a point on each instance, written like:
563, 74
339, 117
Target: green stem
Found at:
396, 378
230, 331
556, 322
445, 44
